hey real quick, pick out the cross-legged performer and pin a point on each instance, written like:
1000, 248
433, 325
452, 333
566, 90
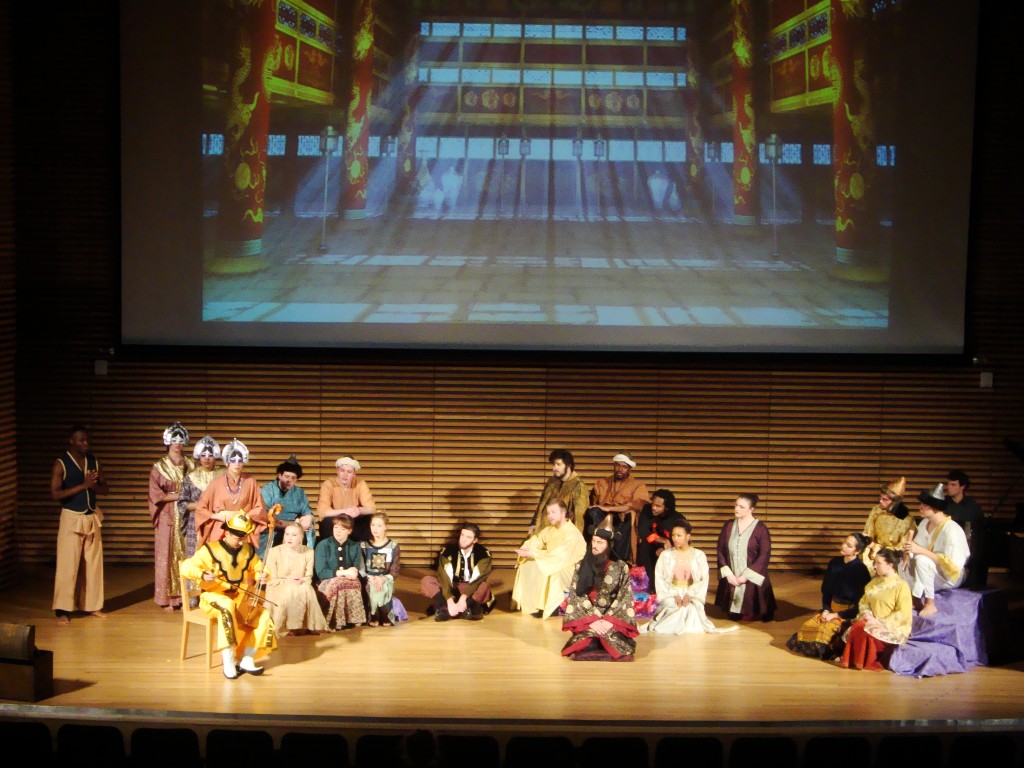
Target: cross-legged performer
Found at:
459, 587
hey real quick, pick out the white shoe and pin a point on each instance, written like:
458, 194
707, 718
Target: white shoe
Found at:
248, 665
230, 670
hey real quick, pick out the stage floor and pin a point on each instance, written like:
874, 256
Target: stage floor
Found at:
501, 673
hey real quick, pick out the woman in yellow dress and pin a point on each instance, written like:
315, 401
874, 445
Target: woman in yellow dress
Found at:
886, 615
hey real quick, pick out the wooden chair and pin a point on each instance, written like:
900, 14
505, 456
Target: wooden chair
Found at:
196, 616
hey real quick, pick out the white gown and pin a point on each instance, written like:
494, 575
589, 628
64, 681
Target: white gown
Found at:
673, 619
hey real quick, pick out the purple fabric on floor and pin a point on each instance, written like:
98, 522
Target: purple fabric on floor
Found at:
400, 613
950, 641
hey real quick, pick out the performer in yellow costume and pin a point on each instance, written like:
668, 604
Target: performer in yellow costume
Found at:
228, 572
888, 522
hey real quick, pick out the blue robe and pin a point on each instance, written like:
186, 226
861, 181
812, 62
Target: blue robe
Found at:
294, 504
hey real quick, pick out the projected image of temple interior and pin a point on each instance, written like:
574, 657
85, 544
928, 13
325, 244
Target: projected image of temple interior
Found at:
610, 163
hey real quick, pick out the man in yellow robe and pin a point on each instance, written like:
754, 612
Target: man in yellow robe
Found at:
226, 570
549, 559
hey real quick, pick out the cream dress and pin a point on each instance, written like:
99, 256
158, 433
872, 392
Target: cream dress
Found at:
673, 619
295, 602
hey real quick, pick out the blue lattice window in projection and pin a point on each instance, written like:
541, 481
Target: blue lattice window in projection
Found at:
277, 145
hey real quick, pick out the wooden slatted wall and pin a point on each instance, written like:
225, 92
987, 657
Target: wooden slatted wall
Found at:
450, 438
443, 443
8, 464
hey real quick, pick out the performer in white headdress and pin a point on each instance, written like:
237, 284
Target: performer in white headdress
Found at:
165, 483
206, 454
232, 492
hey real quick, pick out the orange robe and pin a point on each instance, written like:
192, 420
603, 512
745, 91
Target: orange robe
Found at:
217, 498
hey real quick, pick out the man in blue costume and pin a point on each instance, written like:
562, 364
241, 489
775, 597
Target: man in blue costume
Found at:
293, 500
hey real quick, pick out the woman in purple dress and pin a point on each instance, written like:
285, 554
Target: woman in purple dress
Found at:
744, 551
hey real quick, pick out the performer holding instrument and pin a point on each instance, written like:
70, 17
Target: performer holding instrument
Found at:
232, 579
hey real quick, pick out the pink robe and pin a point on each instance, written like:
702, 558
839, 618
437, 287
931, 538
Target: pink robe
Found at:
168, 547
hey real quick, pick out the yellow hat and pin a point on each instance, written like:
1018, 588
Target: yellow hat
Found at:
896, 488
240, 525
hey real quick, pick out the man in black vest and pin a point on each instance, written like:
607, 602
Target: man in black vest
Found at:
459, 588
74, 483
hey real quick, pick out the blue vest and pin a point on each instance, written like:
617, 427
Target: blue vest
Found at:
83, 501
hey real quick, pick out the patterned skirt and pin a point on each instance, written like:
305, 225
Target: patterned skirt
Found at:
345, 602
821, 639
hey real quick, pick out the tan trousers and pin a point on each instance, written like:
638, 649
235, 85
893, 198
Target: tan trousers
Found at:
78, 583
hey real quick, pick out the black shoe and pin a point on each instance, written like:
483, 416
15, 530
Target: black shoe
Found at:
442, 615
254, 672
538, 614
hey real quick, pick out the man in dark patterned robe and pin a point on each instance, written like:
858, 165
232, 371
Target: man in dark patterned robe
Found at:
599, 608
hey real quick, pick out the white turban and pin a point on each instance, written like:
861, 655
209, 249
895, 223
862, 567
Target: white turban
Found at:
348, 461
623, 458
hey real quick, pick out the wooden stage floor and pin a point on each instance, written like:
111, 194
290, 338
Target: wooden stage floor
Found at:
503, 674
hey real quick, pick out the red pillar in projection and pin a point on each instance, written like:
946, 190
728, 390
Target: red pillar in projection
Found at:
357, 128
853, 141
240, 215
696, 176
744, 145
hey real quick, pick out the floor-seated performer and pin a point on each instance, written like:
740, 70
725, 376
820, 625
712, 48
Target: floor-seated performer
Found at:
338, 561
382, 560
841, 590
654, 529
295, 609
885, 613
599, 608
228, 571
228, 494
621, 497
744, 553
459, 588
888, 521
681, 581
548, 560
937, 554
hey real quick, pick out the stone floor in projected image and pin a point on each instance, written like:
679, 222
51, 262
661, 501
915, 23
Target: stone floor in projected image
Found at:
606, 273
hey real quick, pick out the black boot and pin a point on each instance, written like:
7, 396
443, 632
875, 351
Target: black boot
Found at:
440, 608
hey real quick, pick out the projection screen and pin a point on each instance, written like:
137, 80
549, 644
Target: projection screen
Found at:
742, 176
